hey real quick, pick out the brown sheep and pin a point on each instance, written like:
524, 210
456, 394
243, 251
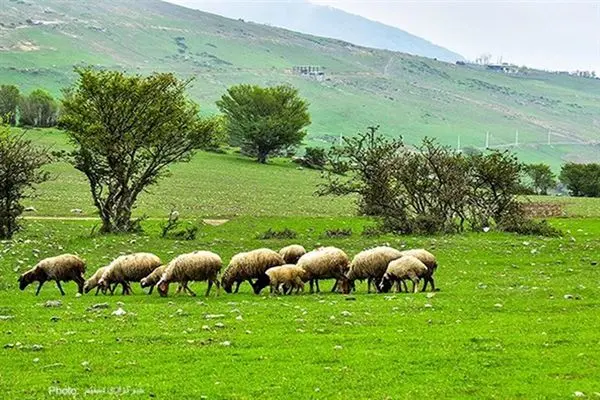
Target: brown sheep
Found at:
65, 268
430, 262
406, 267
325, 263
248, 266
291, 254
197, 266
129, 268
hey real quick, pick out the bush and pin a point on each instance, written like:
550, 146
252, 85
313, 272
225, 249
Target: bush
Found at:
273, 234
530, 227
314, 157
338, 233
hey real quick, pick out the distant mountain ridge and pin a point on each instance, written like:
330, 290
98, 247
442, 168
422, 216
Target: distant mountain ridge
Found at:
305, 17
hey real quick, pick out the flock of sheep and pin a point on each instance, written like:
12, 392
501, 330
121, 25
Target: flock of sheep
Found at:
284, 271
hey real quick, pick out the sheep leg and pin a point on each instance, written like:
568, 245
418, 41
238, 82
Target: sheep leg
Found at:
80, 282
37, 292
311, 286
210, 283
97, 290
426, 279
190, 291
432, 284
405, 287
237, 288
369, 280
335, 286
151, 289
317, 284
60, 287
415, 282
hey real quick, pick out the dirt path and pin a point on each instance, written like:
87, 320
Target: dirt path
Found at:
211, 222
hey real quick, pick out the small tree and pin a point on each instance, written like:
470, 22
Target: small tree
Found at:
38, 109
20, 164
9, 102
127, 130
541, 177
314, 157
265, 120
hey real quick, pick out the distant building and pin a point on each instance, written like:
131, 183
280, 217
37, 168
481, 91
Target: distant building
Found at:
310, 71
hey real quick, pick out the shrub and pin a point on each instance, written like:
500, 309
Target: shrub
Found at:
338, 233
314, 157
273, 234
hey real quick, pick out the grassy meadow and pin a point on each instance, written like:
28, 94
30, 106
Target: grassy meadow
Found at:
516, 317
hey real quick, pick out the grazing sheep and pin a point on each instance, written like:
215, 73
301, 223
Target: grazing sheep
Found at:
152, 279
248, 266
370, 265
92, 282
430, 262
289, 276
291, 254
406, 267
65, 268
129, 268
197, 266
324, 263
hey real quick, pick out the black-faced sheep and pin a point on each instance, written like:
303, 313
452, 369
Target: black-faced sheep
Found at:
324, 263
406, 267
248, 266
288, 276
370, 265
430, 262
129, 268
193, 267
64, 268
291, 254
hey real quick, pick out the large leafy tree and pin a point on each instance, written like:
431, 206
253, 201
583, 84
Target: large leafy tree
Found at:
127, 130
541, 177
20, 163
9, 102
265, 120
582, 180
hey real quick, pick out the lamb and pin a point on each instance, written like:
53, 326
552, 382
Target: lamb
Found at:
65, 268
197, 266
152, 279
325, 263
128, 268
248, 266
430, 262
291, 254
289, 276
406, 267
370, 265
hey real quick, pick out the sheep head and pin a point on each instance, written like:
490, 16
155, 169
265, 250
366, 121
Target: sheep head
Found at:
163, 288
29, 277
386, 283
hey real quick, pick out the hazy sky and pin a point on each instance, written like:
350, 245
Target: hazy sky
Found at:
559, 35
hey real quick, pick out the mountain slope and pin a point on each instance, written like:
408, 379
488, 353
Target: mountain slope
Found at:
411, 96
302, 16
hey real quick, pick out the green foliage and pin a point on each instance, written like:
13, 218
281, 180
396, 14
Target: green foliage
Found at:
582, 180
278, 234
9, 103
127, 131
541, 178
20, 163
39, 109
337, 233
314, 157
264, 120
530, 227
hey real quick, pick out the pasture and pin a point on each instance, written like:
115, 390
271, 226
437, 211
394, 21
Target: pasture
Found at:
516, 317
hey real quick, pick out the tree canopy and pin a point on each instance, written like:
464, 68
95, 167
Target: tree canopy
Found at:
127, 129
264, 121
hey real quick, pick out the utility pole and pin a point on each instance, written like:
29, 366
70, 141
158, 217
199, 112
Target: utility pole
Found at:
517, 138
487, 140
458, 148
549, 133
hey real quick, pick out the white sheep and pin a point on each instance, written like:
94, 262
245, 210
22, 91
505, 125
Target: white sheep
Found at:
288, 276
370, 265
406, 267
193, 267
129, 268
324, 263
291, 254
92, 282
248, 266
65, 268
430, 262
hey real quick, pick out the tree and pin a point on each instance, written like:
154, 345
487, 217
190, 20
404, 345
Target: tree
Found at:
582, 180
127, 130
38, 109
20, 164
541, 177
9, 102
265, 120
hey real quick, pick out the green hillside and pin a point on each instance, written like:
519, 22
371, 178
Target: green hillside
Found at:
41, 41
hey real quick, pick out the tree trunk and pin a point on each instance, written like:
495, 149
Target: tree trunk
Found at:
262, 158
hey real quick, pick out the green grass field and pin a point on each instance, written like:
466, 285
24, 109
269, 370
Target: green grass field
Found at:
516, 317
